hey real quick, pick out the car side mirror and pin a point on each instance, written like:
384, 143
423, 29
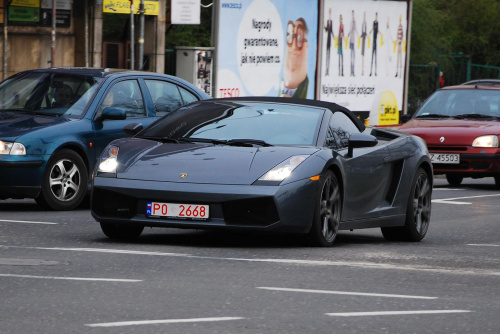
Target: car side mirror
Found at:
404, 118
133, 128
113, 113
358, 140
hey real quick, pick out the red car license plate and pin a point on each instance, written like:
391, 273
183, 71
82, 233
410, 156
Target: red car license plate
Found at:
177, 211
443, 158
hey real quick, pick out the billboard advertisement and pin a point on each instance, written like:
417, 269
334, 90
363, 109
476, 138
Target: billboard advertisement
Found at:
266, 48
363, 56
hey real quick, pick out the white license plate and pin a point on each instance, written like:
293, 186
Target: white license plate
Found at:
177, 211
444, 158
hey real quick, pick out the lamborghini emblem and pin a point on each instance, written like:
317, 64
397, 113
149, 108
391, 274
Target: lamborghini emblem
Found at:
183, 175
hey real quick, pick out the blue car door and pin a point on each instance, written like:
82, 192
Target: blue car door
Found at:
125, 94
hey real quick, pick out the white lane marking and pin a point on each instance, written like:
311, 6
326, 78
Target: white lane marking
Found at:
167, 321
346, 293
363, 265
103, 250
362, 314
453, 200
484, 245
26, 222
445, 201
74, 278
447, 189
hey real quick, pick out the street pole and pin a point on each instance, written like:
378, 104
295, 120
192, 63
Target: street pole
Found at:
86, 47
141, 35
53, 46
132, 38
5, 35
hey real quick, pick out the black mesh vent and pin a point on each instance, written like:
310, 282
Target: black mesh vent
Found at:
397, 169
251, 212
107, 203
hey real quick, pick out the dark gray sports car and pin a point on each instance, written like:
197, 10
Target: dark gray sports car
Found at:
264, 164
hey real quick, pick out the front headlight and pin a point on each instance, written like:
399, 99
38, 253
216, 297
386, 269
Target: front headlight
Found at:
284, 169
109, 160
12, 148
486, 141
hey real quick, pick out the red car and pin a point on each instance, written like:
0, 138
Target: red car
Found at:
461, 126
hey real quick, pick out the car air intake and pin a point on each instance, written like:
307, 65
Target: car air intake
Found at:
107, 203
251, 212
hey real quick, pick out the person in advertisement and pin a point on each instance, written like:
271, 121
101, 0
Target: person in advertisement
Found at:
295, 82
329, 37
340, 38
399, 62
363, 43
352, 37
376, 32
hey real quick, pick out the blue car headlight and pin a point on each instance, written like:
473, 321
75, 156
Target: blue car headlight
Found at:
284, 169
12, 148
109, 160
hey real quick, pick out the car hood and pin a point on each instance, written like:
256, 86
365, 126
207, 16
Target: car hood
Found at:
203, 163
454, 132
14, 125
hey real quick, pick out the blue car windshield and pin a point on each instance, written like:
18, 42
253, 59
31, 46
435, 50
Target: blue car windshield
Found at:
274, 124
47, 93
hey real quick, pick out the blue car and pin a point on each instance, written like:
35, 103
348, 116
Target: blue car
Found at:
54, 124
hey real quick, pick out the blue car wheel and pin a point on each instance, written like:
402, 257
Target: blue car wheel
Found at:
65, 181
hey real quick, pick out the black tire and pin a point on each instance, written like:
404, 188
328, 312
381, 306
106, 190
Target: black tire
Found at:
65, 181
454, 180
119, 231
418, 212
327, 214
497, 181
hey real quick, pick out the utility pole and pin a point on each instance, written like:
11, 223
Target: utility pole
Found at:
141, 35
53, 45
86, 42
132, 38
5, 35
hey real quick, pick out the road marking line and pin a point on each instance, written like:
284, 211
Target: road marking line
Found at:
103, 250
26, 222
452, 200
362, 265
74, 278
484, 245
346, 293
362, 314
168, 321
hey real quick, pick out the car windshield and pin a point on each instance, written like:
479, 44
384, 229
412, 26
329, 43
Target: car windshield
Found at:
239, 124
462, 103
47, 93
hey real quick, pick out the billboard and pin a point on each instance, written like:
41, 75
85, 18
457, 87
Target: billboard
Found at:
363, 57
266, 48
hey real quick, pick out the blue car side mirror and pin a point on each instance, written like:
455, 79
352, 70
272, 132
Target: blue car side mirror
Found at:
113, 113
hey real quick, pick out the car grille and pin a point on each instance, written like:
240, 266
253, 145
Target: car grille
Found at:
447, 148
108, 203
260, 211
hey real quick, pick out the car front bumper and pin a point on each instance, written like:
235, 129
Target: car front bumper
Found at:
20, 177
286, 208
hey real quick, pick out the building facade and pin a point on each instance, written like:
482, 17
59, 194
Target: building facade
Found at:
28, 35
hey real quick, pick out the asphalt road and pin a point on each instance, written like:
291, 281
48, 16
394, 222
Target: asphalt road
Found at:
59, 274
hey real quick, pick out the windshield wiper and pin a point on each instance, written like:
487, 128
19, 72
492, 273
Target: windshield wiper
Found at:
462, 116
244, 142
433, 116
231, 142
161, 139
